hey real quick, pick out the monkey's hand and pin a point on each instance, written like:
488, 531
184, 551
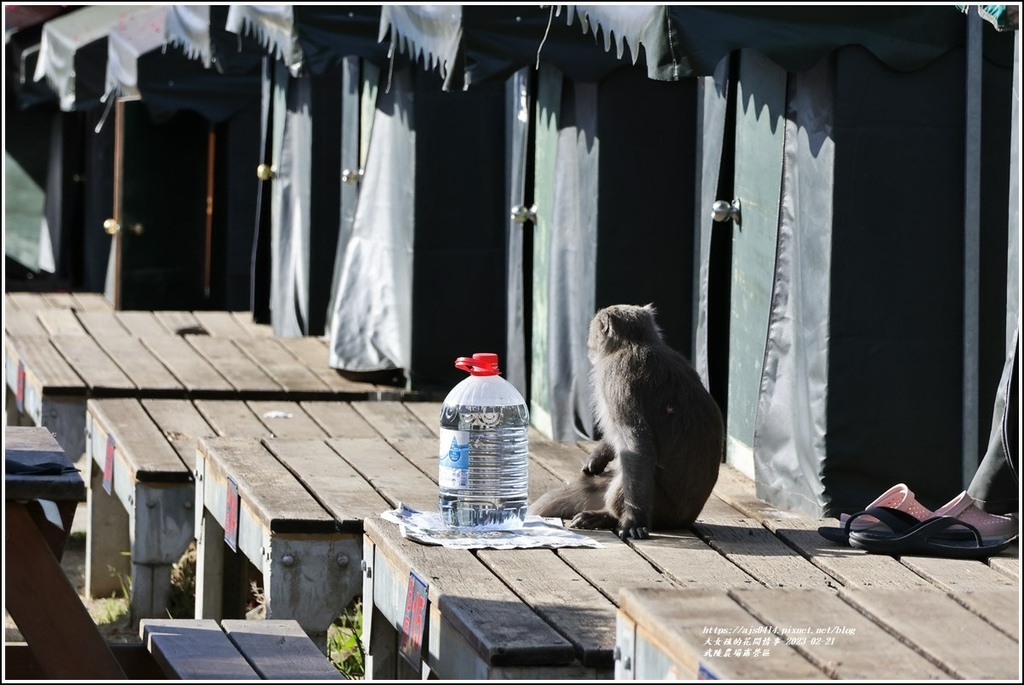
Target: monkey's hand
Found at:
632, 525
598, 459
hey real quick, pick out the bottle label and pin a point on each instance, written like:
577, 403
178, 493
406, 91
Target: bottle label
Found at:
454, 459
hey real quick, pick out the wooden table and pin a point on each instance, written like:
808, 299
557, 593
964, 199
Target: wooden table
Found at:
660, 608
61, 635
60, 349
308, 492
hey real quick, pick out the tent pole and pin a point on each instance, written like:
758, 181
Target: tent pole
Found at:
972, 240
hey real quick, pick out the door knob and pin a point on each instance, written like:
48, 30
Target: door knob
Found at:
351, 176
265, 172
111, 227
521, 214
723, 210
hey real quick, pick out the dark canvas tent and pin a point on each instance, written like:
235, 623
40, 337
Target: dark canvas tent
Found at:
178, 119
836, 314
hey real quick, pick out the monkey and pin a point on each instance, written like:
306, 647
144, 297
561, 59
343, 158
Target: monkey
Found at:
656, 418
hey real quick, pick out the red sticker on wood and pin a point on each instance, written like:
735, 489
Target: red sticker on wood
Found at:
414, 622
231, 515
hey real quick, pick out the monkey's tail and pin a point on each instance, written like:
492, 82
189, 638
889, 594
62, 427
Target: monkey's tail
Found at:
584, 494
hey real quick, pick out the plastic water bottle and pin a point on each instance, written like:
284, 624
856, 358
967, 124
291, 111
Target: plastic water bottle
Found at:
482, 474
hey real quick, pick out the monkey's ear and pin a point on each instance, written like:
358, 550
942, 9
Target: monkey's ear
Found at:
651, 308
605, 321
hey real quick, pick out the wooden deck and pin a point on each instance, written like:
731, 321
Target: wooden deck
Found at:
60, 349
295, 480
568, 613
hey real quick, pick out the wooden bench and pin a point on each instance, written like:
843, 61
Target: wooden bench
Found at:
640, 609
61, 349
61, 639
293, 507
787, 634
200, 649
144, 452
190, 649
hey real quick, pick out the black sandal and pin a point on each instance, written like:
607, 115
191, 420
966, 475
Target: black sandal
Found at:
932, 537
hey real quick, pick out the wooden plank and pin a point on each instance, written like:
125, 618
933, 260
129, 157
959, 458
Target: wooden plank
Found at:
244, 319
339, 419
1007, 562
286, 419
27, 301
222, 324
283, 367
541, 480
138, 441
429, 414
564, 459
10, 303
561, 597
983, 590
45, 365
761, 554
141, 324
180, 323
687, 625
236, 367
193, 371
276, 497
60, 322
389, 472
96, 368
141, 366
850, 567
392, 420
834, 636
91, 302
421, 452
102, 324
499, 626
739, 492
232, 417
612, 566
181, 424
17, 322
194, 649
690, 563
280, 650
999, 607
962, 644
313, 353
55, 300
46, 607
332, 480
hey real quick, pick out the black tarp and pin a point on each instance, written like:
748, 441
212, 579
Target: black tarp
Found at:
863, 375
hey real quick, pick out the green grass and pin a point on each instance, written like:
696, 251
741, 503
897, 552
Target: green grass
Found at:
344, 645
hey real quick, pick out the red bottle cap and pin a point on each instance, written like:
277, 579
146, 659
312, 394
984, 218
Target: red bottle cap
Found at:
480, 364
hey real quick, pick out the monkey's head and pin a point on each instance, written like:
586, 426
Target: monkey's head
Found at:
621, 324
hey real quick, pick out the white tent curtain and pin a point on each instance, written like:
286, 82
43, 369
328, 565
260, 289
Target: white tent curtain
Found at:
63, 36
371, 315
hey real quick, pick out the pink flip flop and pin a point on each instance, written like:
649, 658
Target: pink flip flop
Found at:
898, 497
963, 508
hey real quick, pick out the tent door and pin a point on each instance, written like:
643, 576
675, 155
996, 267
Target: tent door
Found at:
760, 126
161, 204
